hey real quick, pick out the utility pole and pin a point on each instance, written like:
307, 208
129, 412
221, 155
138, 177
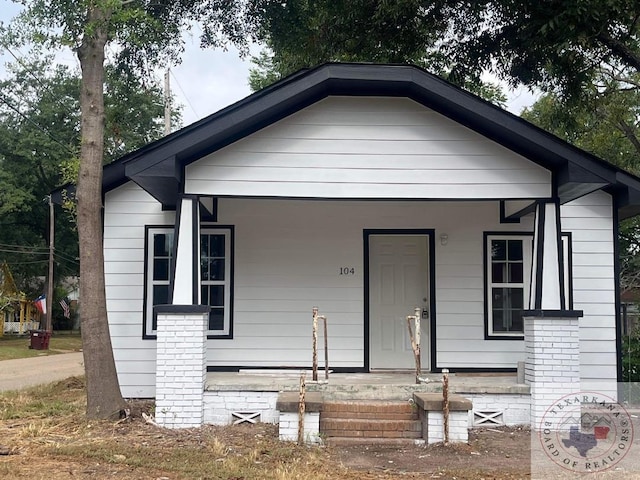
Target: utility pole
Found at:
167, 103
50, 278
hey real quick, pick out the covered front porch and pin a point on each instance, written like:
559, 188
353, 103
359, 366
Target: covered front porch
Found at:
449, 281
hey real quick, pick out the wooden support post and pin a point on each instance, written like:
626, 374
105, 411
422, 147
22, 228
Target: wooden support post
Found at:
414, 334
301, 409
445, 404
326, 351
23, 317
315, 345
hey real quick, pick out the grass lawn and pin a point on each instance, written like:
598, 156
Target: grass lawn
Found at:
12, 346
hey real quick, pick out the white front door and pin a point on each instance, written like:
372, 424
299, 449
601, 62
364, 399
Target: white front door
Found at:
398, 283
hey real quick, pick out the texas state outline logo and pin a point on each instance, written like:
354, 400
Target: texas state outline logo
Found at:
586, 432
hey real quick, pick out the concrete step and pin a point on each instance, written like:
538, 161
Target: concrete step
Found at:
370, 428
378, 410
370, 422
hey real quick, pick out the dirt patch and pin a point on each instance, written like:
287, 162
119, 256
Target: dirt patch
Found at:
491, 453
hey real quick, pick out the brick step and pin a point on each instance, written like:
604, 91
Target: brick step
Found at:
353, 441
369, 428
382, 410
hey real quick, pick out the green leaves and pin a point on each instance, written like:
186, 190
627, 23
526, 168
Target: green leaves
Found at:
304, 33
39, 147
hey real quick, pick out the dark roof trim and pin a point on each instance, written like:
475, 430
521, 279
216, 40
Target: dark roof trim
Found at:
577, 172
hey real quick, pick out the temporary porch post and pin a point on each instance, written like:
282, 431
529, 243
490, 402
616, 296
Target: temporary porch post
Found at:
182, 329
551, 335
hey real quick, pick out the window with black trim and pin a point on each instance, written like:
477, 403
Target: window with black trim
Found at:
158, 275
508, 279
508, 270
216, 274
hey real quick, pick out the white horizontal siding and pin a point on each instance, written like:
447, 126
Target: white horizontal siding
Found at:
460, 290
590, 220
344, 147
127, 210
287, 259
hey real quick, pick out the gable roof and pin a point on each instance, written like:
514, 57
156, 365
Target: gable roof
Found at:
159, 166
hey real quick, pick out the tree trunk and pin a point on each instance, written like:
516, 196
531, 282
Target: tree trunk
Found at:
104, 399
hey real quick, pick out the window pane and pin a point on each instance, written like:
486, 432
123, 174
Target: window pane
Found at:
515, 249
517, 298
498, 321
216, 269
161, 269
498, 249
216, 319
204, 246
204, 295
160, 294
498, 272
216, 296
204, 269
216, 245
517, 324
507, 320
162, 244
499, 297
515, 273
507, 298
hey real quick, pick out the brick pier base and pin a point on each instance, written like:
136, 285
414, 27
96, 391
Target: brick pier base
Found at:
181, 367
552, 360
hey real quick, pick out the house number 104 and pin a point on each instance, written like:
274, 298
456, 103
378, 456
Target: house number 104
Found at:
347, 271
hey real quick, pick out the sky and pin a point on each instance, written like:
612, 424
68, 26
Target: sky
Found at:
209, 80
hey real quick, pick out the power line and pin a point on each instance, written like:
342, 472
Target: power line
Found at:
27, 263
66, 258
62, 256
33, 247
32, 252
37, 79
24, 117
184, 94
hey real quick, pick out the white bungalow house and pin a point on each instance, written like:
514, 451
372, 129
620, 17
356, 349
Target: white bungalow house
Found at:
367, 191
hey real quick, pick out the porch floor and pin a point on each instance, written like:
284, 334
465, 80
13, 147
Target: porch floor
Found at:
376, 385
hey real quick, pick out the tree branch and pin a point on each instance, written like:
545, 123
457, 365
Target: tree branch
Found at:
620, 50
630, 134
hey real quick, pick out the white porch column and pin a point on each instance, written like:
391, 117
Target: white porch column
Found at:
186, 274
181, 367
547, 275
551, 330
181, 344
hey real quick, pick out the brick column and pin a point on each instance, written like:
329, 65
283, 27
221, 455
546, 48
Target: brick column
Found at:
181, 366
552, 358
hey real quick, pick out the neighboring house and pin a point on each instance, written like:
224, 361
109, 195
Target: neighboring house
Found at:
367, 191
17, 314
